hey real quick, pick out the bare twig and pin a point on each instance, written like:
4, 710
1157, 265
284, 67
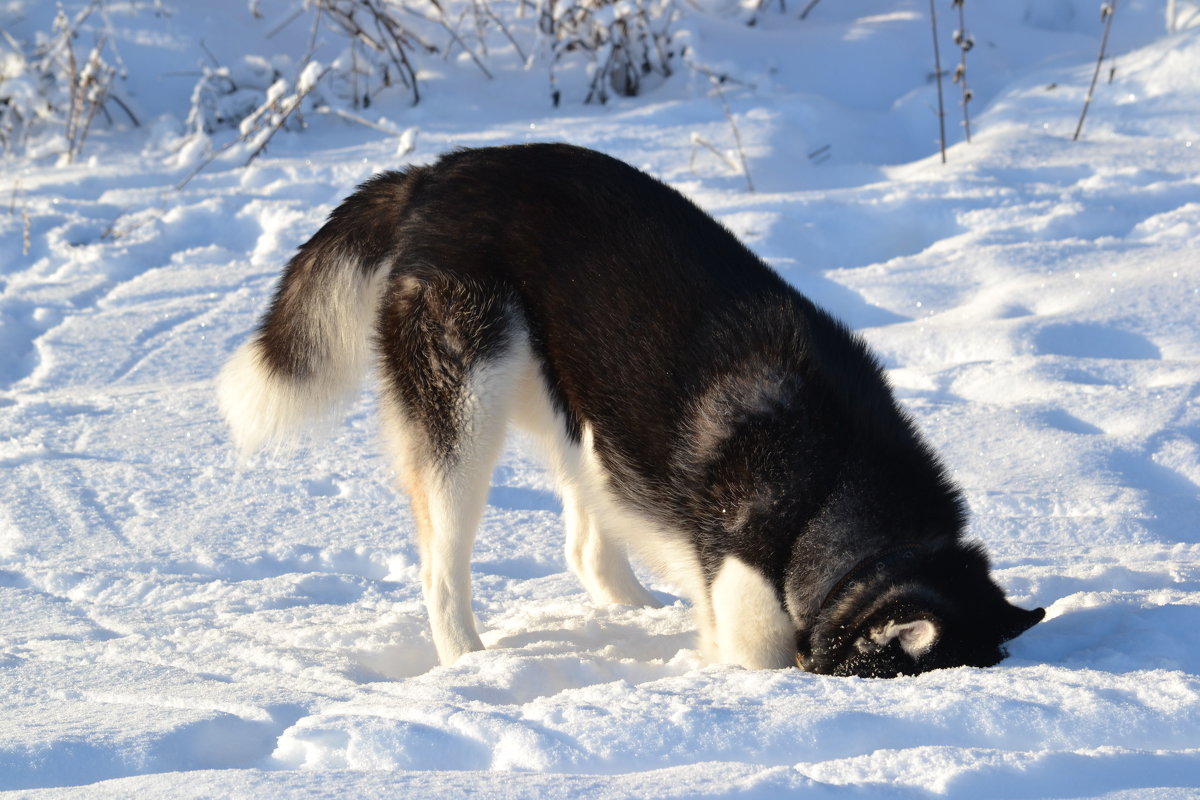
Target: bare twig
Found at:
346, 115
72, 78
737, 136
762, 6
623, 46
288, 20
811, 5
215, 61
88, 92
1106, 13
312, 40
211, 158
479, 26
388, 37
937, 71
700, 141
716, 81
596, 91
283, 116
965, 42
250, 126
125, 108
487, 10
449, 51
113, 233
454, 37
366, 98
72, 90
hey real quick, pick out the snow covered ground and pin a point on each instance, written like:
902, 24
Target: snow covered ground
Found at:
173, 622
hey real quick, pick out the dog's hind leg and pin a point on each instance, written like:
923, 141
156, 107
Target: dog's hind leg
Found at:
451, 357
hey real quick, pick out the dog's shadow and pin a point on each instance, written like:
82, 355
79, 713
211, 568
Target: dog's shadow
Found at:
1117, 637
575, 625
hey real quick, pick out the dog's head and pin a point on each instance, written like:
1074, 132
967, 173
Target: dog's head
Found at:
932, 611
910, 637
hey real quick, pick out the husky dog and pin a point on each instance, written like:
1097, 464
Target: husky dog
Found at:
694, 408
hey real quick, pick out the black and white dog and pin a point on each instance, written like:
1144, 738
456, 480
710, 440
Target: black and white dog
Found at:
694, 408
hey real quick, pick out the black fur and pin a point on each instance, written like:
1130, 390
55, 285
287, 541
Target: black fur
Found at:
724, 404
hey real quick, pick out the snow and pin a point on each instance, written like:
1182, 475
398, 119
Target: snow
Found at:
178, 622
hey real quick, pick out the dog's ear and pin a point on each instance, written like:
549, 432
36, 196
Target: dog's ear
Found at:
1014, 621
915, 636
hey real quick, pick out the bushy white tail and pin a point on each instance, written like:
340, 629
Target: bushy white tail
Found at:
308, 356
311, 350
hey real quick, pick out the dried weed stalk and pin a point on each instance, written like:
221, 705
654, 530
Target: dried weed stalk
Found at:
624, 42
937, 74
255, 131
51, 85
1106, 15
965, 42
717, 81
377, 25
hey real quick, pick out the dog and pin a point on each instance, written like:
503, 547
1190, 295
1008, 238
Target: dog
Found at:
695, 410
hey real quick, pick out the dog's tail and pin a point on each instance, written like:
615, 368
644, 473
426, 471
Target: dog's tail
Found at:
312, 348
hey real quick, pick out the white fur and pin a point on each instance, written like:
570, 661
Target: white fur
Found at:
262, 408
259, 407
752, 629
455, 510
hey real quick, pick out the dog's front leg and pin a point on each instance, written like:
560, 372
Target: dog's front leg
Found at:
751, 627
